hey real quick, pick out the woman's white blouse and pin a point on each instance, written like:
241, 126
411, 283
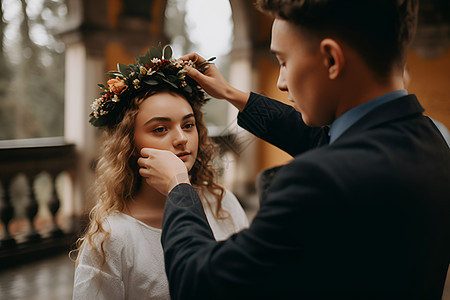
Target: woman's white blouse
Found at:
134, 267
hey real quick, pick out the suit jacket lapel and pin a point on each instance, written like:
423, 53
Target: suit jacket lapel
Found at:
397, 109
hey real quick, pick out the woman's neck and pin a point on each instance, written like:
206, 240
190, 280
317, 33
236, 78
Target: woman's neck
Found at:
147, 206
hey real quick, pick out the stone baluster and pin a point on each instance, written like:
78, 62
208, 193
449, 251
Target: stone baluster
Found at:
31, 210
53, 206
6, 215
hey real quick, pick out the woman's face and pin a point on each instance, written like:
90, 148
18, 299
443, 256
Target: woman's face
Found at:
166, 121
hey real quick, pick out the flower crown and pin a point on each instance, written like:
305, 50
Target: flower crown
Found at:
156, 70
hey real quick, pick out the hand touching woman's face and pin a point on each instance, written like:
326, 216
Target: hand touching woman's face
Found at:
166, 121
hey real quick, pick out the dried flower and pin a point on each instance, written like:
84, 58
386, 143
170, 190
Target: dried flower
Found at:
117, 85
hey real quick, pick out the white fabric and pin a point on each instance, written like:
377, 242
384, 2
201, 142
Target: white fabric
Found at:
134, 267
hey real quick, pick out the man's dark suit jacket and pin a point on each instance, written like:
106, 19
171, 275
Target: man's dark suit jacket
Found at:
366, 217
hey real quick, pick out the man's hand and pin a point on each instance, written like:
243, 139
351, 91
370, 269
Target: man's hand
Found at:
214, 83
162, 169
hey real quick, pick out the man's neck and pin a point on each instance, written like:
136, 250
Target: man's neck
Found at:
366, 89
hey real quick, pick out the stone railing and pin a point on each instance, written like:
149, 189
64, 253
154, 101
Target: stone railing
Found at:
20, 238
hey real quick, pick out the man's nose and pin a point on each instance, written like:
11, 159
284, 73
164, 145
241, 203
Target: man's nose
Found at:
281, 83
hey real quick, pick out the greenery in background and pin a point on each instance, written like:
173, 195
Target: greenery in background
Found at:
32, 64
32, 69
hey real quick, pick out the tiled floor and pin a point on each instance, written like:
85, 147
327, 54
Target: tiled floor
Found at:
48, 279
52, 279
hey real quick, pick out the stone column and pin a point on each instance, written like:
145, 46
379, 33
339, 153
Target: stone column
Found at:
91, 30
83, 71
85, 35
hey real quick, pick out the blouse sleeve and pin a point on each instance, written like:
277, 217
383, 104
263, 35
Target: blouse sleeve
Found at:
94, 280
232, 220
232, 204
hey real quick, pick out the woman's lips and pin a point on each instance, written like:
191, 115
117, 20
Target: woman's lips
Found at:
183, 155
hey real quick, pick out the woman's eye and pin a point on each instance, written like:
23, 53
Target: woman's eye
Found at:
159, 130
189, 125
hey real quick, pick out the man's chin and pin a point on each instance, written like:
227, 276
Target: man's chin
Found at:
308, 121
314, 123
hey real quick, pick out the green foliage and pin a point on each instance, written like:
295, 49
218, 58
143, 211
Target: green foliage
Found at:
32, 85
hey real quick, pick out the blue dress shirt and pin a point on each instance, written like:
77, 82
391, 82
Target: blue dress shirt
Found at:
350, 117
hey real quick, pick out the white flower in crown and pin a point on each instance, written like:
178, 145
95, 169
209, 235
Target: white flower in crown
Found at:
136, 83
96, 104
115, 99
190, 63
178, 63
143, 70
155, 60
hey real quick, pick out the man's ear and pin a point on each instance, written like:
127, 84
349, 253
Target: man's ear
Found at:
333, 57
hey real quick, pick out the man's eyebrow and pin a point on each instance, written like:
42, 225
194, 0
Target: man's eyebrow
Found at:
274, 51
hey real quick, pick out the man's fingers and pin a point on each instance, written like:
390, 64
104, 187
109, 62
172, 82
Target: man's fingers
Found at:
197, 59
144, 172
145, 152
150, 152
194, 73
142, 162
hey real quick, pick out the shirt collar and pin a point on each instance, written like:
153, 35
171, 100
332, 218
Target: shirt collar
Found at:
350, 117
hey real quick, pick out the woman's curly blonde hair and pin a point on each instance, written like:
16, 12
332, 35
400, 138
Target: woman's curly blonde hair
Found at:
118, 179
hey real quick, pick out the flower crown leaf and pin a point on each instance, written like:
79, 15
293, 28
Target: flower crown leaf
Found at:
124, 69
155, 70
156, 52
151, 82
114, 74
167, 51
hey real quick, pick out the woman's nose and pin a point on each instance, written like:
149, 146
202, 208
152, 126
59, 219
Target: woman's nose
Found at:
180, 138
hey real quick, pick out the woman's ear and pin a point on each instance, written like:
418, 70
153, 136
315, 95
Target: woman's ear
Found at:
333, 57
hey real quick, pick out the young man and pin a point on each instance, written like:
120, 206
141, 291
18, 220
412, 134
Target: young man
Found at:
364, 215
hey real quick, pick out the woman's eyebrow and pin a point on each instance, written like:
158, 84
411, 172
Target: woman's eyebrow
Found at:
188, 116
167, 119
160, 119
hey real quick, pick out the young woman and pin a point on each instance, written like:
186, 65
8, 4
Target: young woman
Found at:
150, 104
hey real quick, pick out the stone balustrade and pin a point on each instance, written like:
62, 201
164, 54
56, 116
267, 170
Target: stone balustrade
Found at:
31, 158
